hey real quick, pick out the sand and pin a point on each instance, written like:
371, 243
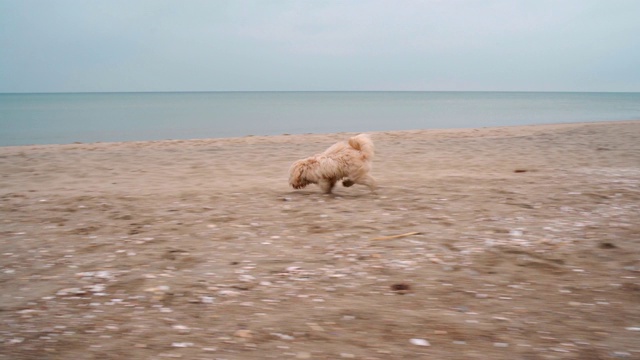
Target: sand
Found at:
493, 243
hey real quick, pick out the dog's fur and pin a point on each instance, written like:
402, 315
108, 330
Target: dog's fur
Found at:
349, 160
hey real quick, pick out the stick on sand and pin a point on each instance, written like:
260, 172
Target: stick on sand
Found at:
396, 236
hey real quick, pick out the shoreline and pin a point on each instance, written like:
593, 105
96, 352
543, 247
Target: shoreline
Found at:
275, 137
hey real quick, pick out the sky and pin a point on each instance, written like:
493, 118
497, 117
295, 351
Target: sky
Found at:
319, 45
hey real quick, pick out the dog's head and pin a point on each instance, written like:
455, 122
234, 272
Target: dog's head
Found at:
298, 178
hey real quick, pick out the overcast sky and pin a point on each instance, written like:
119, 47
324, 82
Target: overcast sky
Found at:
216, 45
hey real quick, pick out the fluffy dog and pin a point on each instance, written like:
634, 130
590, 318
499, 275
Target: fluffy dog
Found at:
349, 160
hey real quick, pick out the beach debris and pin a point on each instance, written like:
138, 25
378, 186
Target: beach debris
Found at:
243, 333
391, 237
161, 289
182, 344
103, 274
420, 342
15, 341
246, 278
228, 293
401, 288
70, 291
520, 170
315, 327
516, 233
283, 336
607, 245
207, 299
621, 354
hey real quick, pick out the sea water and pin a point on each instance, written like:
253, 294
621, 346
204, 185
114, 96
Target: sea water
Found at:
108, 117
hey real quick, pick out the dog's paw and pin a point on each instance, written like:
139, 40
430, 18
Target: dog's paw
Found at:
347, 183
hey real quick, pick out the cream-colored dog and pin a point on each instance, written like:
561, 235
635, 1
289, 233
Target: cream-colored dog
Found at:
349, 160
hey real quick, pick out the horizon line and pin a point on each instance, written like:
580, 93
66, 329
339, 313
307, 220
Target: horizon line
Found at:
307, 91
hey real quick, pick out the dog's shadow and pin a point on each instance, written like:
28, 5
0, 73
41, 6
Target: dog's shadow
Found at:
311, 194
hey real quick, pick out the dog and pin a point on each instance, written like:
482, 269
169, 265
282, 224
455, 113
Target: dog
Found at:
350, 160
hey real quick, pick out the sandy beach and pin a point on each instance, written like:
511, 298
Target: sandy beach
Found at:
492, 243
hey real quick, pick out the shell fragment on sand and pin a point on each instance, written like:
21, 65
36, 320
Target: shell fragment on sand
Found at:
397, 236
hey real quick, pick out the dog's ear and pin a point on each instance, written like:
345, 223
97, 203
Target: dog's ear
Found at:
296, 176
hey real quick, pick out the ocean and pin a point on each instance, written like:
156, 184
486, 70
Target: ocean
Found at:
109, 117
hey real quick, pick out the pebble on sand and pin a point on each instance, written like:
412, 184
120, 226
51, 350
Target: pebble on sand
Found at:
420, 342
243, 334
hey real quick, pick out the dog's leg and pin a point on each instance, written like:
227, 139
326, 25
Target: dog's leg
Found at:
347, 182
326, 185
368, 181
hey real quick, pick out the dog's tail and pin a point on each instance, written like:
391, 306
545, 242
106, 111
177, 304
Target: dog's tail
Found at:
364, 144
